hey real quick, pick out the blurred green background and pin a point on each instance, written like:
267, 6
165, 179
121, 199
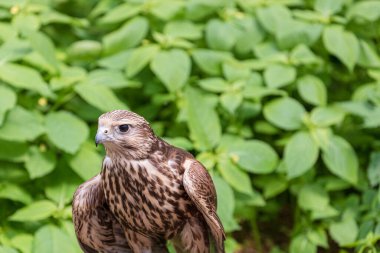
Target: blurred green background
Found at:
280, 100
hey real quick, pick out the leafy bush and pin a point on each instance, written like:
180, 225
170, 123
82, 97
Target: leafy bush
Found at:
279, 99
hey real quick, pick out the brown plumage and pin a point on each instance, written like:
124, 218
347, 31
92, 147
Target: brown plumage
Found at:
96, 228
150, 192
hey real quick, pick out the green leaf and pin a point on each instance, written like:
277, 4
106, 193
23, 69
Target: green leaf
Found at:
235, 71
13, 172
100, 97
61, 192
165, 10
301, 54
332, 183
214, 84
226, 204
68, 77
373, 171
254, 156
15, 193
120, 13
340, 158
291, 33
263, 127
24, 77
231, 100
66, 131
313, 197
15, 49
86, 163
327, 116
272, 185
38, 210
277, 76
202, 120
210, 61
253, 199
273, 15
327, 212
85, 50
21, 125
183, 29
23, 242
180, 142
7, 101
231, 245
328, 7
216, 38
116, 61
318, 237
344, 232
312, 90
13, 151
39, 163
6, 249
139, 58
237, 178
111, 78
250, 33
26, 23
358, 108
128, 36
286, 113
368, 56
68, 228
296, 164
367, 10
172, 68
7, 32
38, 62
44, 46
342, 44
51, 239
300, 243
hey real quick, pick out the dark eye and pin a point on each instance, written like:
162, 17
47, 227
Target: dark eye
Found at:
124, 128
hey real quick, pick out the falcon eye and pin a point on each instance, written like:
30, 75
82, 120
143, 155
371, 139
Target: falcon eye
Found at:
124, 128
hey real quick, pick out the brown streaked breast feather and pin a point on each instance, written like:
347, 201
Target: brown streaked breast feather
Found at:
95, 226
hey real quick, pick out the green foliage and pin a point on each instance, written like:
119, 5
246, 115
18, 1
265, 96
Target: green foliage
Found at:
280, 100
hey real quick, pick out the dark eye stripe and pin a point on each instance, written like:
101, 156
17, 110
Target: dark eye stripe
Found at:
124, 128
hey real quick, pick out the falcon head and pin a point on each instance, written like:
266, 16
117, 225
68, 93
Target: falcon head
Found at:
125, 133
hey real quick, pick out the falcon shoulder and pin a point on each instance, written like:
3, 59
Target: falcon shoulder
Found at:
201, 190
95, 226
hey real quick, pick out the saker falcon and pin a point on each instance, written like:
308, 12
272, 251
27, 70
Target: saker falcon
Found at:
148, 192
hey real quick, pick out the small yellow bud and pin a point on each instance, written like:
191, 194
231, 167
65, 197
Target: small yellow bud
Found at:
42, 147
235, 158
42, 101
239, 15
14, 9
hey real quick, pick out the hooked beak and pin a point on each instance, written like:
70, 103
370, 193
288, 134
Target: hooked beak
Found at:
100, 137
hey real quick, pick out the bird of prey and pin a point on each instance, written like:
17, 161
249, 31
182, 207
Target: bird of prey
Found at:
147, 192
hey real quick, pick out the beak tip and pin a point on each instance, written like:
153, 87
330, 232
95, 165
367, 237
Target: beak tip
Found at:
97, 141
99, 138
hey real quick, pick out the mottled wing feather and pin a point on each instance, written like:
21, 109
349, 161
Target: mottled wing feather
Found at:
85, 248
95, 226
200, 188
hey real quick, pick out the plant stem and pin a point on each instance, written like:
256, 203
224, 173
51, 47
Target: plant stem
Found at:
256, 233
